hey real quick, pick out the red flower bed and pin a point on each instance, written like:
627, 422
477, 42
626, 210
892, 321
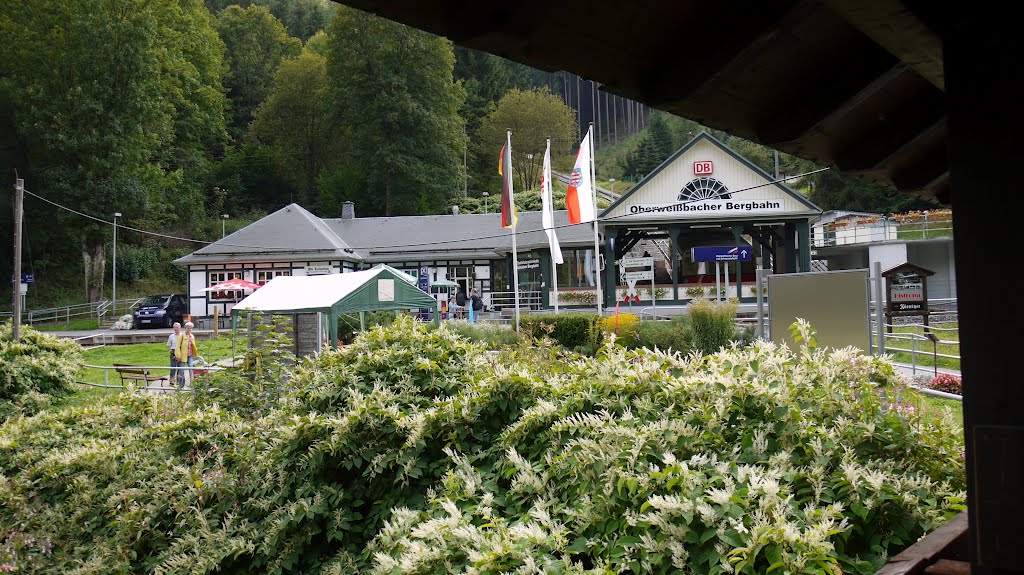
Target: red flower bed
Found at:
948, 383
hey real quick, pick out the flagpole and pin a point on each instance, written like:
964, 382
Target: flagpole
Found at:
550, 197
597, 244
515, 251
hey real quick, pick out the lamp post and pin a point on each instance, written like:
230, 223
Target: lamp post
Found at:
113, 274
486, 211
611, 184
224, 218
529, 158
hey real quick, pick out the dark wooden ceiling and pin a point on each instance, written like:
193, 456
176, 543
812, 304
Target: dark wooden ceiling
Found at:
857, 85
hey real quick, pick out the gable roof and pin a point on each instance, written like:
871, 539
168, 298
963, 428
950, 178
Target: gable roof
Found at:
706, 137
338, 293
447, 236
289, 233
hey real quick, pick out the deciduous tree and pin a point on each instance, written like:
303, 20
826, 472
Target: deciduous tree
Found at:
533, 116
392, 89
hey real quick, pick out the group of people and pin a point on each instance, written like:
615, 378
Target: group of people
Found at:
183, 349
462, 303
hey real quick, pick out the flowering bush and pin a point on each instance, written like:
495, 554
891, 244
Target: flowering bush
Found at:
414, 451
36, 366
948, 383
624, 325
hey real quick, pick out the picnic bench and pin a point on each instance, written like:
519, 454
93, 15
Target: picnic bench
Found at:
137, 373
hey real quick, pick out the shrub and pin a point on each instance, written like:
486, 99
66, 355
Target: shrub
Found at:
568, 329
493, 336
624, 325
948, 383
36, 363
672, 335
712, 323
412, 451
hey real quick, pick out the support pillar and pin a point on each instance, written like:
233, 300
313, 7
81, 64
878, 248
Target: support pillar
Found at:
984, 125
803, 233
610, 280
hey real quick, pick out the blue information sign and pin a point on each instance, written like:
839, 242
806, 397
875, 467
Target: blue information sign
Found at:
721, 254
25, 279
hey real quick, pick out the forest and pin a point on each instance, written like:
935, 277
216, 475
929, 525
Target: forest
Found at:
192, 119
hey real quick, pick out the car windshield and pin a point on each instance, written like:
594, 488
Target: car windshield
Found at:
155, 300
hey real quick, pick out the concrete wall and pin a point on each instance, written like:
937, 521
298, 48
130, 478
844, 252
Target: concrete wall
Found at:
938, 258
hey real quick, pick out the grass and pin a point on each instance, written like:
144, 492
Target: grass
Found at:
149, 354
924, 357
85, 323
936, 406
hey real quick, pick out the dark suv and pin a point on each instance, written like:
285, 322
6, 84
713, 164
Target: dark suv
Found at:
159, 311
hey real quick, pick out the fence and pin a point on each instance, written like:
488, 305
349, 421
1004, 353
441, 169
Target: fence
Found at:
65, 314
162, 381
882, 229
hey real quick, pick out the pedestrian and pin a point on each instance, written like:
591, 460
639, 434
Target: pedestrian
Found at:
186, 352
476, 303
460, 303
172, 343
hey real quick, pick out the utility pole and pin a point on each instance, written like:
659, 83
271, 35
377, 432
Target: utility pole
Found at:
19, 199
113, 273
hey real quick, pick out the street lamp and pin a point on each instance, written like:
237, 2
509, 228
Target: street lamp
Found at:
113, 275
486, 211
611, 184
225, 217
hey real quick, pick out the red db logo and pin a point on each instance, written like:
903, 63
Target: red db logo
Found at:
702, 168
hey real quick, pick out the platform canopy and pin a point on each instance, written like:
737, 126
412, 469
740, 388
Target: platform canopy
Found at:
380, 288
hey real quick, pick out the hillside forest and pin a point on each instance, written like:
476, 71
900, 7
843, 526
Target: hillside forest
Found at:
192, 119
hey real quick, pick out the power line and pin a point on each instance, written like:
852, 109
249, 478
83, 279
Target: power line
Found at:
415, 245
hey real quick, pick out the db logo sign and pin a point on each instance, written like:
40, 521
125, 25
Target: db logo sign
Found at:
702, 168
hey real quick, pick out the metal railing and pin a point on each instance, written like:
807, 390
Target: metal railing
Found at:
97, 309
528, 300
881, 230
190, 373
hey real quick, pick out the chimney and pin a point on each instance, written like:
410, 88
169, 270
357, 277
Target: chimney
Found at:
348, 211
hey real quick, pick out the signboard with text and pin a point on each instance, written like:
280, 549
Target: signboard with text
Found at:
906, 286
721, 254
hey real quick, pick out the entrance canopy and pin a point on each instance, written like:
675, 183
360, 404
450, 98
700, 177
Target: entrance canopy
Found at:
380, 288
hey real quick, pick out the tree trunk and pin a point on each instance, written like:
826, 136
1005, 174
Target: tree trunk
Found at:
94, 260
389, 199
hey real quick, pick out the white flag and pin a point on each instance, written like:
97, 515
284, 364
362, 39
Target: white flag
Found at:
548, 217
579, 199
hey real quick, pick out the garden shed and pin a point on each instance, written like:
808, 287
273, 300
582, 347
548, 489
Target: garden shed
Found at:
379, 288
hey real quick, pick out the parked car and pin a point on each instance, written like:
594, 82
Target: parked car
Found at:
160, 311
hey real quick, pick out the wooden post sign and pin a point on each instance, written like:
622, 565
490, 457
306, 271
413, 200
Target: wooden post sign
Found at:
906, 288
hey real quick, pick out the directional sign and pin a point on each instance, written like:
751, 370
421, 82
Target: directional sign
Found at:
646, 275
721, 253
636, 262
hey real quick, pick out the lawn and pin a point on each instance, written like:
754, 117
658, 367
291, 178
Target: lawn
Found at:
75, 324
148, 354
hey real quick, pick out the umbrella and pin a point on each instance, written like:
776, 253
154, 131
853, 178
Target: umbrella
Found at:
232, 285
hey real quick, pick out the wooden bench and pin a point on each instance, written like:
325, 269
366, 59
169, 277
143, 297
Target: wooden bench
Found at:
137, 373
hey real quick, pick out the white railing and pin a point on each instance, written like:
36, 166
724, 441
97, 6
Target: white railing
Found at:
881, 230
528, 300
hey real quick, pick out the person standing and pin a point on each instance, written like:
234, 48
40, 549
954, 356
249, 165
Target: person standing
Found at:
476, 305
186, 351
172, 343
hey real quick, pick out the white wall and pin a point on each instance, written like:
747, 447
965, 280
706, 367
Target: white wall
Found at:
936, 258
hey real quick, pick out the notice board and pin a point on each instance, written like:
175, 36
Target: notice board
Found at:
836, 304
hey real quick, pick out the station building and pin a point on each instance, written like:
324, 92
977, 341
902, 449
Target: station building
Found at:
703, 195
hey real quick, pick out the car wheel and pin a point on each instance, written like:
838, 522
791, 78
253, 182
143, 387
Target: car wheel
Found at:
168, 321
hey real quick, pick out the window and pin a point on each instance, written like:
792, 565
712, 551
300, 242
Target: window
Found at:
263, 276
217, 277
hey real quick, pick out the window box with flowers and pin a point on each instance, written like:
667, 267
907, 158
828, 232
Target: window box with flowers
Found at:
577, 297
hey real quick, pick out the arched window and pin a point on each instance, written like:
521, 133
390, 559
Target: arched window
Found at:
703, 189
